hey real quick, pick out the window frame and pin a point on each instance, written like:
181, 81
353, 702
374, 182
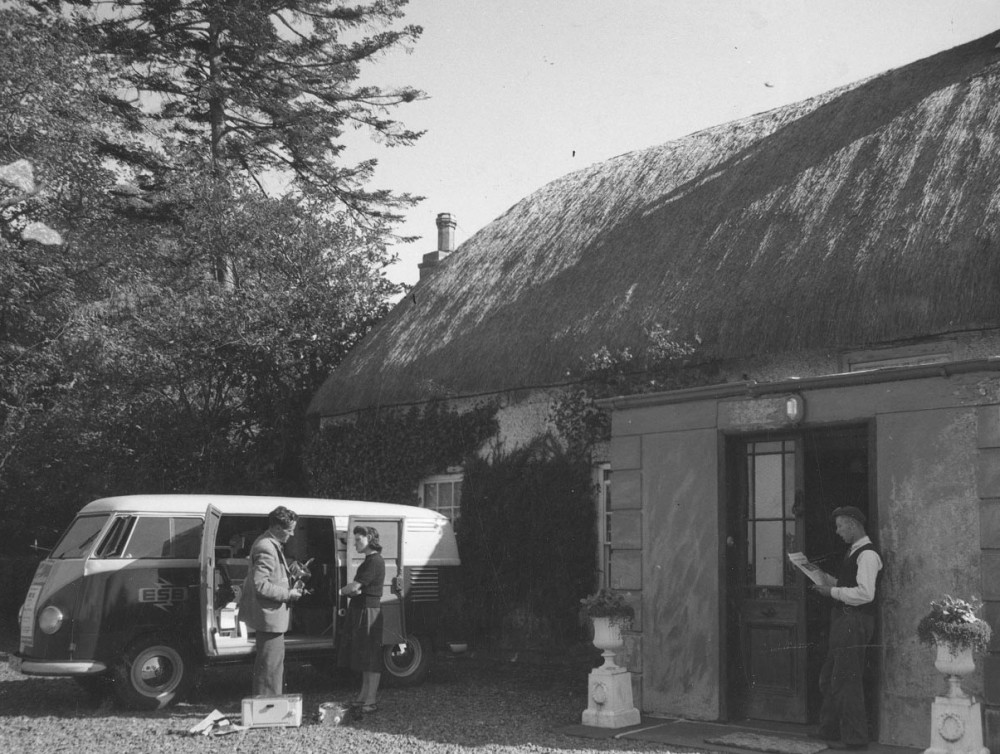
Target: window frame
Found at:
450, 477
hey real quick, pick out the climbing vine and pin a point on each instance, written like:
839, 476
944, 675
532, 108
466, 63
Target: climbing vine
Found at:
668, 362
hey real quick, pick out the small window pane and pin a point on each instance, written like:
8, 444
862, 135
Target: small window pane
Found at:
767, 486
768, 557
431, 496
186, 538
789, 484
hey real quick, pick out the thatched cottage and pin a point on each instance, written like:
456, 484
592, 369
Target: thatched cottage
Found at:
841, 256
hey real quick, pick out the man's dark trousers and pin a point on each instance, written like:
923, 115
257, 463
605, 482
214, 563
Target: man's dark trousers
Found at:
269, 664
843, 715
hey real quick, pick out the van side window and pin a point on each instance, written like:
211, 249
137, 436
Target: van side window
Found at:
116, 537
153, 537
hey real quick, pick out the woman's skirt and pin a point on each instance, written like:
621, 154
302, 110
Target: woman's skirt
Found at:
361, 646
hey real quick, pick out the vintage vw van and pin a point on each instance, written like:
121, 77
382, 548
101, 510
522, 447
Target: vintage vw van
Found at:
141, 592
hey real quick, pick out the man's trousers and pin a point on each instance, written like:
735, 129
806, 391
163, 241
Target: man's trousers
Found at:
843, 715
269, 664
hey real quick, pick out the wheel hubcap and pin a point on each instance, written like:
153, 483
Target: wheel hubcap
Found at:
156, 672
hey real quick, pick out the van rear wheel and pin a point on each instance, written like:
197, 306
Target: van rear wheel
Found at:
407, 664
155, 672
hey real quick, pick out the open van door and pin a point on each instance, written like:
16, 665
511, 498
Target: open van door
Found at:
390, 534
209, 629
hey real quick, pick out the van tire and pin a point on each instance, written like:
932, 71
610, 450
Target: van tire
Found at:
407, 664
155, 672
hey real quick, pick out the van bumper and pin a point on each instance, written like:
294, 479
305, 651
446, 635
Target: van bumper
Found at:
41, 667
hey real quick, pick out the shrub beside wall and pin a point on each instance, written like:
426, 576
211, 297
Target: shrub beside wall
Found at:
528, 541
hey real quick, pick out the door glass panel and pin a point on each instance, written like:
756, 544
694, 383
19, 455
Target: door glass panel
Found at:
771, 532
767, 492
789, 464
769, 553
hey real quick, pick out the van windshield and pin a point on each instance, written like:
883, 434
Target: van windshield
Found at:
80, 536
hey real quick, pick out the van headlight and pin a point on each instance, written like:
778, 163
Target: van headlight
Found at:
50, 619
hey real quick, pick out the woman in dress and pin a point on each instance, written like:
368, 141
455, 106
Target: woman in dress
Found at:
361, 649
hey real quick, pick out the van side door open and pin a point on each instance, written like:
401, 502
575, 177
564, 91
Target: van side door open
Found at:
390, 533
209, 618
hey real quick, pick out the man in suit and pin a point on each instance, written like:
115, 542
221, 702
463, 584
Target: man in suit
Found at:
267, 593
843, 720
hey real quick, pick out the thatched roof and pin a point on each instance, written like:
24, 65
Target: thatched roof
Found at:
867, 214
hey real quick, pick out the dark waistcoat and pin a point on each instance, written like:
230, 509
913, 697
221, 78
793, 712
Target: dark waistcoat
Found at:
848, 575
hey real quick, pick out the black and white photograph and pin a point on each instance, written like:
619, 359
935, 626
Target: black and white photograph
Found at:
465, 376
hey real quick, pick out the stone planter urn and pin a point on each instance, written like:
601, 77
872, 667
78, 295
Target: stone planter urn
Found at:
608, 639
956, 718
955, 631
609, 697
954, 662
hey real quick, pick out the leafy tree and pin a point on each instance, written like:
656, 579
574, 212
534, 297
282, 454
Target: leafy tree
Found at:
53, 174
125, 364
185, 385
263, 86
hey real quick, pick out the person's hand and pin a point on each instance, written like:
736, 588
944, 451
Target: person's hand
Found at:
822, 589
294, 595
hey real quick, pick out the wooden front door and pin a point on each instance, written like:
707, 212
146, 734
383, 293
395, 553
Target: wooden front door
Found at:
768, 594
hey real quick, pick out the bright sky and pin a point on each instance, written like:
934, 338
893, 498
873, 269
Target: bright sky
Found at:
522, 92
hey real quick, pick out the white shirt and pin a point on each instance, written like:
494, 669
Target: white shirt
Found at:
869, 564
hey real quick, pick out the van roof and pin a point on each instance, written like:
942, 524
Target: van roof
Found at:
254, 504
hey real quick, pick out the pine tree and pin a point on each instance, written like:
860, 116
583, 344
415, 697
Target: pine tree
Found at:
265, 85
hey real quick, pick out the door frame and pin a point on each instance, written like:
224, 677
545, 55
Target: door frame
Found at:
728, 483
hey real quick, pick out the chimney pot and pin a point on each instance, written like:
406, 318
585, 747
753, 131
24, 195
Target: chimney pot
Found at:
446, 232
446, 244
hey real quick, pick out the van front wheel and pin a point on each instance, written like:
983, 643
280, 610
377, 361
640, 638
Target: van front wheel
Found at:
155, 672
407, 664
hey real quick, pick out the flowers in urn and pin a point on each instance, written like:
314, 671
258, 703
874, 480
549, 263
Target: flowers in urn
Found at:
954, 628
605, 603
954, 623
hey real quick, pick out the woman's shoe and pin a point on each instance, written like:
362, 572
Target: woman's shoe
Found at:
353, 704
369, 708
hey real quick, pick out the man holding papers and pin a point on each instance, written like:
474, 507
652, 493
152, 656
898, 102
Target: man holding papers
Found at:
843, 720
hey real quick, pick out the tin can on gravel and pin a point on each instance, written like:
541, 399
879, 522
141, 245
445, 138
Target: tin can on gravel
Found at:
331, 713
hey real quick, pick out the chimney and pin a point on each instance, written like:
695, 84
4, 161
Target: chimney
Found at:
446, 244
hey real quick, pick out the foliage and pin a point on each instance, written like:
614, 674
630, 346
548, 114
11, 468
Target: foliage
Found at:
666, 362
262, 87
382, 454
179, 384
606, 603
953, 621
53, 122
128, 363
528, 542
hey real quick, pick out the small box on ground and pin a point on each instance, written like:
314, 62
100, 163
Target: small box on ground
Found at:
272, 711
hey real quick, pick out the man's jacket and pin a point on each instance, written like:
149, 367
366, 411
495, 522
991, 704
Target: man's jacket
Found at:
264, 600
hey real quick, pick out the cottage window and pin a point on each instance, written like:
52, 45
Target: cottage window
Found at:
443, 493
603, 473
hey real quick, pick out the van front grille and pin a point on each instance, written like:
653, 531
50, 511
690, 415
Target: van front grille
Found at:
425, 584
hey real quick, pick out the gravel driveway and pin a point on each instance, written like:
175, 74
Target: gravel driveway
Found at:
468, 704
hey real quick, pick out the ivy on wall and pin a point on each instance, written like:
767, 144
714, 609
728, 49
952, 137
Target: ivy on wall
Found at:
666, 362
382, 454
528, 542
